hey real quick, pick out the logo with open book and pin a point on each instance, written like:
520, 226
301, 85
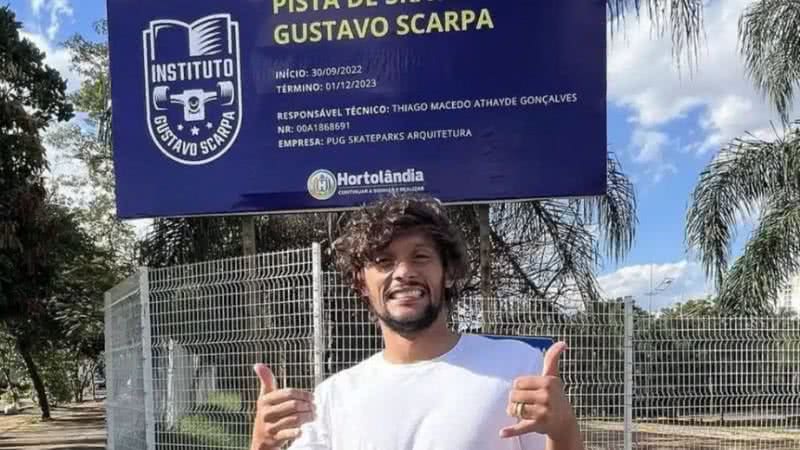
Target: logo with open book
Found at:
194, 93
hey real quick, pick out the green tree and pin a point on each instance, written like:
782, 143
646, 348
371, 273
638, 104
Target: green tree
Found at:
61, 334
90, 190
545, 248
566, 226
31, 314
32, 96
681, 19
768, 39
692, 354
699, 307
90, 193
13, 379
77, 307
548, 248
752, 176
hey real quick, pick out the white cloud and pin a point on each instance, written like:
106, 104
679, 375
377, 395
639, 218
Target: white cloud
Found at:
61, 165
650, 145
658, 173
36, 6
687, 281
56, 9
57, 58
643, 76
648, 148
141, 227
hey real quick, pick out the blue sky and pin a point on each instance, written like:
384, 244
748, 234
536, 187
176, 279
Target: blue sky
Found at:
665, 125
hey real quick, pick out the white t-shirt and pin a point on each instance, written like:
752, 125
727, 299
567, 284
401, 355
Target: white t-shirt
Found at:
454, 402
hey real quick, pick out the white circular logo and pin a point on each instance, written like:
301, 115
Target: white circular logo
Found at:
322, 184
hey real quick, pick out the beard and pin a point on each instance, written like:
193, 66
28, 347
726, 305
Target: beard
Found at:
415, 324
409, 326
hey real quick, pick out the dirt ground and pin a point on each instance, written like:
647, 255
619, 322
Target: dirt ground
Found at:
73, 427
82, 427
609, 436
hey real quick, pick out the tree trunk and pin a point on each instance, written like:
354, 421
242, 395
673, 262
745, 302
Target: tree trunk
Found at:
248, 235
486, 268
332, 217
38, 384
76, 382
79, 378
12, 387
91, 380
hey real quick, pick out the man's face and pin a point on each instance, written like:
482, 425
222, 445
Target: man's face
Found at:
405, 283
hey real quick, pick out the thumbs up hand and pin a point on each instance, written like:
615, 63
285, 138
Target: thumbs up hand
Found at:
279, 412
540, 404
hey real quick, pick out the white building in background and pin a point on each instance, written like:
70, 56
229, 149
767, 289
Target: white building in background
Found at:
790, 297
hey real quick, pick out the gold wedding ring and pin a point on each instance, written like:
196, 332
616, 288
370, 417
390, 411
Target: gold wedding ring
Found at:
518, 407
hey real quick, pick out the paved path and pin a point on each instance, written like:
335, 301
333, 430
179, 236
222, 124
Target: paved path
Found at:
74, 427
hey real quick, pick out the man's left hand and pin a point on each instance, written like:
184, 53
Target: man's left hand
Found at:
541, 404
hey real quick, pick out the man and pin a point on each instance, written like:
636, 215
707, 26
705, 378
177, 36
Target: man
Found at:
430, 388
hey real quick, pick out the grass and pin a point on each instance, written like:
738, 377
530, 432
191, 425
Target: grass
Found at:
226, 401
208, 433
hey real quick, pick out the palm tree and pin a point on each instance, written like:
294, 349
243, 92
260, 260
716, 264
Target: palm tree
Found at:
755, 176
682, 19
547, 249
550, 249
770, 45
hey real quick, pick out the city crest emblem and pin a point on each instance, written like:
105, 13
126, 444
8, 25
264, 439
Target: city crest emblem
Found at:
193, 87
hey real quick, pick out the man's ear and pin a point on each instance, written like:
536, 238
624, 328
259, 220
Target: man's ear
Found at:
360, 286
448, 281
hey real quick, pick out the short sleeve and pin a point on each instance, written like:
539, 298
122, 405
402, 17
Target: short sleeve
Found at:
316, 435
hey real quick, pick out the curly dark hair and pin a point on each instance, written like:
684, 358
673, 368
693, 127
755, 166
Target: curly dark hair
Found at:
373, 228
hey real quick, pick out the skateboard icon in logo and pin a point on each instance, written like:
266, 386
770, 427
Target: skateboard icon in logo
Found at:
193, 76
194, 101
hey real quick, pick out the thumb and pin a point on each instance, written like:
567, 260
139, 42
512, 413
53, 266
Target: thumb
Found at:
551, 358
266, 377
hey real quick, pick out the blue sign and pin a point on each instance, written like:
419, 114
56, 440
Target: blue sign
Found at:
537, 342
258, 106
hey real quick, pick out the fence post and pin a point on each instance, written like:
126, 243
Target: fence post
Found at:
628, 344
109, 370
147, 360
319, 342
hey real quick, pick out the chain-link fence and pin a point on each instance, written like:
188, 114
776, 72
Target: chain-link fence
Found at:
635, 380
125, 372
210, 323
717, 382
592, 368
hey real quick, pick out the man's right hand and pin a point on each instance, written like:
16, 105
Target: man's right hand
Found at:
279, 412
